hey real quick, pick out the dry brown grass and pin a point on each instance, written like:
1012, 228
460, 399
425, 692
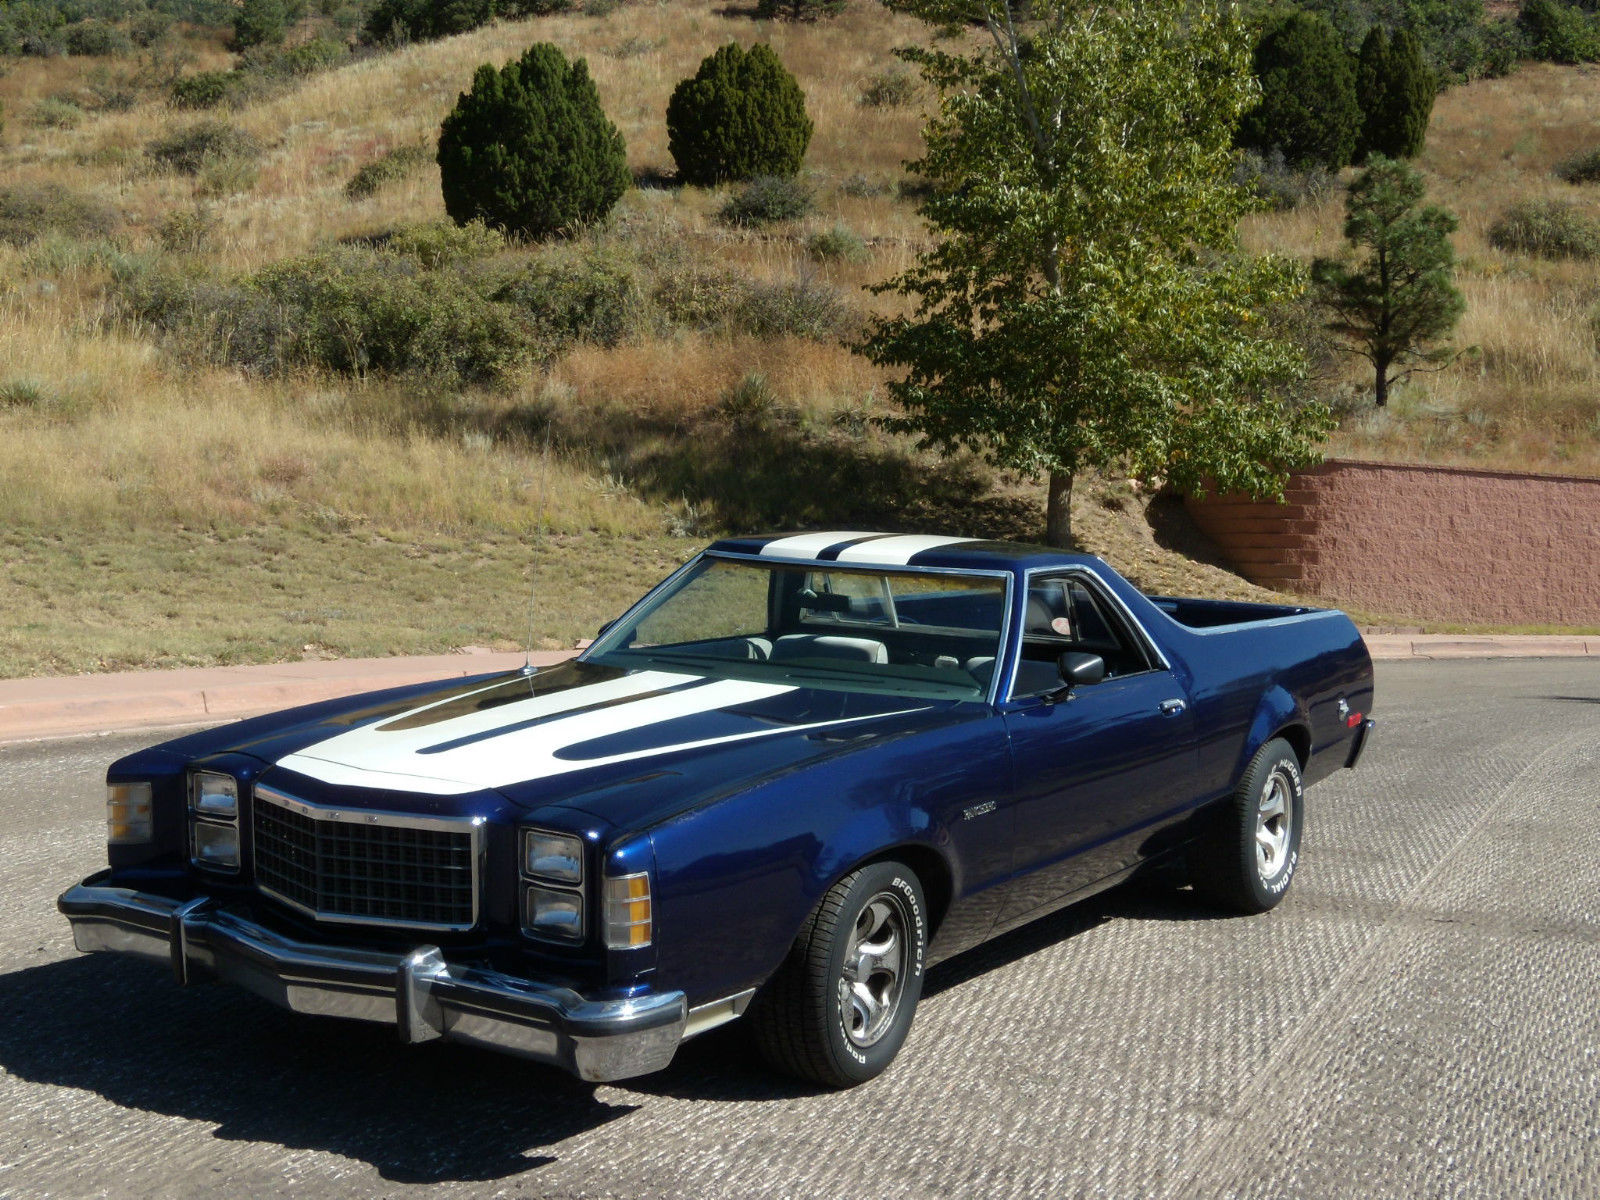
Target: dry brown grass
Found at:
1527, 395
107, 438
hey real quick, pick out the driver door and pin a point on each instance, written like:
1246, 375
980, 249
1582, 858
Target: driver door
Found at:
1103, 770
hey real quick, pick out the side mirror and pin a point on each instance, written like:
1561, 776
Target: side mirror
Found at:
1076, 667
603, 630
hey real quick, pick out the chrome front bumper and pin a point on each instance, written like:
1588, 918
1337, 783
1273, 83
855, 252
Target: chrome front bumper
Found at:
419, 993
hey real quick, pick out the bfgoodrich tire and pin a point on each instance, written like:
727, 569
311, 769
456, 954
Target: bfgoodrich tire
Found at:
839, 1008
1247, 857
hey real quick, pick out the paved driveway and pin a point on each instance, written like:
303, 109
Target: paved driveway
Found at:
1420, 1018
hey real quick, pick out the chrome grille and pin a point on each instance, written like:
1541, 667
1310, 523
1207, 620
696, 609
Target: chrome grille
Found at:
359, 866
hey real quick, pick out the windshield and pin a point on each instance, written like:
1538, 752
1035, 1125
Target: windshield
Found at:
914, 633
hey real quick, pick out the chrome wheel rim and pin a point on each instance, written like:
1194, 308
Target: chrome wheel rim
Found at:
1274, 824
872, 981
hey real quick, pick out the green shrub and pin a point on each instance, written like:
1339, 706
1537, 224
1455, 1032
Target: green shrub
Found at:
804, 307
389, 167
634, 46
741, 115
95, 39
149, 27
696, 297
1278, 185
1548, 229
837, 244
24, 393
1558, 32
186, 231
437, 244
594, 299
56, 112
864, 186
260, 23
28, 211
1583, 167
206, 89
766, 200
293, 62
205, 145
1308, 105
356, 311
530, 150
889, 89
425, 20
798, 10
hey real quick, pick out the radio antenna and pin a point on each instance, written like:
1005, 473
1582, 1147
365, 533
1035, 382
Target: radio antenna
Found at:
528, 669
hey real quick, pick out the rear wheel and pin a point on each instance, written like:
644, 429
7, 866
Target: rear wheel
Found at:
839, 1008
1247, 858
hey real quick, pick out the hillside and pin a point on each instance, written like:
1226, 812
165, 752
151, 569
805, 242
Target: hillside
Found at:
171, 492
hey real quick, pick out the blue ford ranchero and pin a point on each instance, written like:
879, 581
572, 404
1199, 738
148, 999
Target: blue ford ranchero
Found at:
780, 786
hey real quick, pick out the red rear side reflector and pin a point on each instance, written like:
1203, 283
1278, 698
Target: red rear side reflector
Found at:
1352, 720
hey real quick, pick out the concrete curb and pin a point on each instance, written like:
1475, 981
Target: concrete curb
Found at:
79, 705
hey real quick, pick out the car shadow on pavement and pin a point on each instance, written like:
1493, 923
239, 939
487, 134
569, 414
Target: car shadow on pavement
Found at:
724, 1065
419, 1114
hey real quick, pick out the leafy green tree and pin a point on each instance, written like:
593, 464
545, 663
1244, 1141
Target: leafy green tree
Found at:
1397, 300
1308, 105
1558, 32
741, 115
1085, 303
529, 150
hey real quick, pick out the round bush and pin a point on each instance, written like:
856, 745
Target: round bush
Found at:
1548, 229
1308, 103
765, 200
1583, 167
742, 115
529, 149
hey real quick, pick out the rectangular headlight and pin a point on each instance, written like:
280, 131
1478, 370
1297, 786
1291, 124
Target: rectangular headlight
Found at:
215, 847
557, 857
128, 811
553, 915
213, 795
629, 919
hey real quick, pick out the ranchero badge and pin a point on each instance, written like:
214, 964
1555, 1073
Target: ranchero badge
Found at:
978, 810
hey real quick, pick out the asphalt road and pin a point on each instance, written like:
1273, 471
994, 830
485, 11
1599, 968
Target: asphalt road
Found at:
1420, 1018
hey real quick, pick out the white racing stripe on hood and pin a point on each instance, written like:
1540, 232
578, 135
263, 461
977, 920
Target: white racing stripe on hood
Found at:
379, 757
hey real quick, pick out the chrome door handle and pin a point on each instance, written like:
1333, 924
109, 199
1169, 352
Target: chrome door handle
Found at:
1171, 708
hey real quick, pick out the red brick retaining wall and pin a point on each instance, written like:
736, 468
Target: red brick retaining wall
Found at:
1433, 542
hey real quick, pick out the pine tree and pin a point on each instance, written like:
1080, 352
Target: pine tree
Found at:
1407, 99
1308, 105
741, 115
1372, 83
1399, 298
529, 149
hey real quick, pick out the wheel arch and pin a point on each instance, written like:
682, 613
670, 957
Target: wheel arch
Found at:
1278, 715
932, 871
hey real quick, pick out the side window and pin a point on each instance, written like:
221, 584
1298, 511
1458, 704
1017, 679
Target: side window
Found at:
1066, 613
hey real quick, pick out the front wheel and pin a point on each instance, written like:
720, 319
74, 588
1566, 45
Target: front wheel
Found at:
1246, 859
839, 1008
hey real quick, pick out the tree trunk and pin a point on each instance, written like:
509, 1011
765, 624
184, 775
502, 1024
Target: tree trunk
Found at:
1380, 386
1058, 511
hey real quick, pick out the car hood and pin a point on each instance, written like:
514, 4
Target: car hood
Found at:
587, 735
